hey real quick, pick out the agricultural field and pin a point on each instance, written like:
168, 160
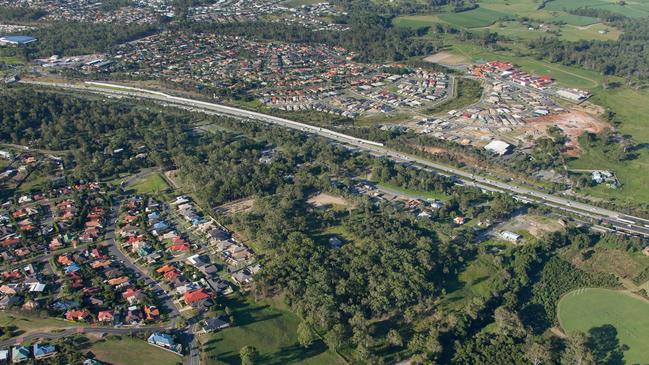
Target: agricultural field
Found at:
117, 350
614, 318
268, 327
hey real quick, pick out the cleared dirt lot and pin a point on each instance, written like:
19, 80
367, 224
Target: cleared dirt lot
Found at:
573, 123
446, 58
325, 200
237, 206
535, 225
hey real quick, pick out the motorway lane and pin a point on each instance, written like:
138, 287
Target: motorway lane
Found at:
625, 222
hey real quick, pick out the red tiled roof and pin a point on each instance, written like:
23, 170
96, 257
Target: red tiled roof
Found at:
195, 296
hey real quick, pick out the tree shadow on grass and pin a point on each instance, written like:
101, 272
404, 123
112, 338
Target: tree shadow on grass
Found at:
294, 354
228, 357
605, 345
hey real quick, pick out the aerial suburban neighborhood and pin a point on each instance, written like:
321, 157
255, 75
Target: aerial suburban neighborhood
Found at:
324, 182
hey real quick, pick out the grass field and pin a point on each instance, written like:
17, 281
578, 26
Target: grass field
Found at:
573, 33
575, 19
27, 323
151, 184
477, 18
129, 351
12, 60
476, 280
414, 193
633, 9
269, 328
631, 107
490, 16
628, 313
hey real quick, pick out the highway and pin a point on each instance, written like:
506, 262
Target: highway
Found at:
620, 221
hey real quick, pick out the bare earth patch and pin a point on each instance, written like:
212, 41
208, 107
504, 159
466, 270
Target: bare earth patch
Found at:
171, 176
573, 123
237, 206
446, 58
536, 225
324, 199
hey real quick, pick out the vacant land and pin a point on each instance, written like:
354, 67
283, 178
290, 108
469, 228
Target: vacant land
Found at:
467, 92
627, 313
271, 329
128, 351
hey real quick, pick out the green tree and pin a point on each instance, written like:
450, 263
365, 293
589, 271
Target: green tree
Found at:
508, 323
248, 355
576, 352
305, 335
394, 338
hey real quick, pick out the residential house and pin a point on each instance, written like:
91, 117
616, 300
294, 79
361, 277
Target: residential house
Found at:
19, 354
197, 298
105, 316
77, 315
43, 351
214, 324
243, 278
165, 341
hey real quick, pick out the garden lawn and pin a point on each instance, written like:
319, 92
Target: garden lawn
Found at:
270, 329
626, 312
129, 351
